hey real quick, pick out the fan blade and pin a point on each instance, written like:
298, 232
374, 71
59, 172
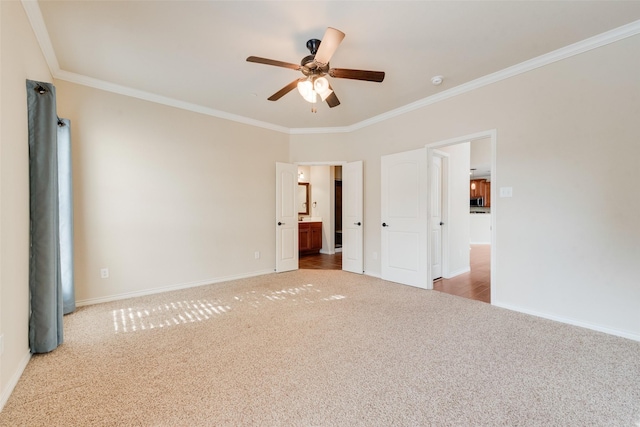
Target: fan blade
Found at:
328, 45
274, 62
344, 73
285, 90
332, 100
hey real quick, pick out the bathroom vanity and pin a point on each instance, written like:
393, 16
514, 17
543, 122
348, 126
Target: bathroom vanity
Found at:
309, 237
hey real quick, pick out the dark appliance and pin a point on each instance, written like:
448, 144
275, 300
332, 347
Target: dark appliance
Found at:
476, 202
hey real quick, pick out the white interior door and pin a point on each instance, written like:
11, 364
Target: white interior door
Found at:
352, 228
286, 217
436, 217
404, 218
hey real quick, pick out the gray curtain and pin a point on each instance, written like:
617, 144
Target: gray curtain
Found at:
51, 233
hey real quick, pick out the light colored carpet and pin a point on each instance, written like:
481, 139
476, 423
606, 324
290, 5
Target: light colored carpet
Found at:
324, 348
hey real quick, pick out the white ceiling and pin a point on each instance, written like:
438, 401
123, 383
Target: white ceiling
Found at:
194, 52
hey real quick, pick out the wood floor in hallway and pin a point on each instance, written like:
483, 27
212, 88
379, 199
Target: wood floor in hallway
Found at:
475, 284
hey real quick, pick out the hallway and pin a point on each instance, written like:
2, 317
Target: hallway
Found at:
475, 284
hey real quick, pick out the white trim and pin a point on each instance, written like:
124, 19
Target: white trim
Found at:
376, 275
456, 273
311, 131
336, 163
34, 14
569, 321
126, 295
13, 381
163, 100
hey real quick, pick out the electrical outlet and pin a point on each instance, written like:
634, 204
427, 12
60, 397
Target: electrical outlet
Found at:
257, 254
104, 273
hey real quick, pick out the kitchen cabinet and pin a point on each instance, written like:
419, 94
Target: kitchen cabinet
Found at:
487, 194
309, 237
481, 188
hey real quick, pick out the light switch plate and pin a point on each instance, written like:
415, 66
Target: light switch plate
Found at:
506, 191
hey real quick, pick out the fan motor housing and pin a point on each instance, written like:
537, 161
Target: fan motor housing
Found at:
311, 68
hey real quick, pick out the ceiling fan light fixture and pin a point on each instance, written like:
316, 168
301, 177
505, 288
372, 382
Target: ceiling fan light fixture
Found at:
321, 86
315, 67
311, 88
305, 87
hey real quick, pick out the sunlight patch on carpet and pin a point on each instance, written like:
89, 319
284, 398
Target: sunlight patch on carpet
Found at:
165, 315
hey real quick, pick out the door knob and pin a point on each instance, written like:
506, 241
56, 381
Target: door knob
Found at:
384, 224
280, 223
357, 223
441, 223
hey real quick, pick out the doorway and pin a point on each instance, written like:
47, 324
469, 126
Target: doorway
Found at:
337, 203
474, 282
330, 258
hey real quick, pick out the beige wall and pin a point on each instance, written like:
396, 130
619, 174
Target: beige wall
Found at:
567, 241
164, 197
481, 155
20, 59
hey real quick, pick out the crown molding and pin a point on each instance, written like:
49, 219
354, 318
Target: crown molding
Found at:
32, 9
34, 14
152, 97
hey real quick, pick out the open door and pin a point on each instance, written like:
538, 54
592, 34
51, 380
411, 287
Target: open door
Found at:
286, 217
352, 228
436, 216
404, 218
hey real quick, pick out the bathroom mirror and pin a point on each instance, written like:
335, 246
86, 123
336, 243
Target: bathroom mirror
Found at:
303, 198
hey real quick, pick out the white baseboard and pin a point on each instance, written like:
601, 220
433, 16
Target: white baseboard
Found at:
456, 273
117, 297
322, 251
14, 380
569, 321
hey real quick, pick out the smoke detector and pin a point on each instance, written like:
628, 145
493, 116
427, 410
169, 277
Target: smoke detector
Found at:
437, 80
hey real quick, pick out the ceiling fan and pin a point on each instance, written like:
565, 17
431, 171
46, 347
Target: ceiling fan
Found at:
315, 67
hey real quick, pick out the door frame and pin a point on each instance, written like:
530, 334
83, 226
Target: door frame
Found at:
444, 195
331, 233
431, 147
331, 240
